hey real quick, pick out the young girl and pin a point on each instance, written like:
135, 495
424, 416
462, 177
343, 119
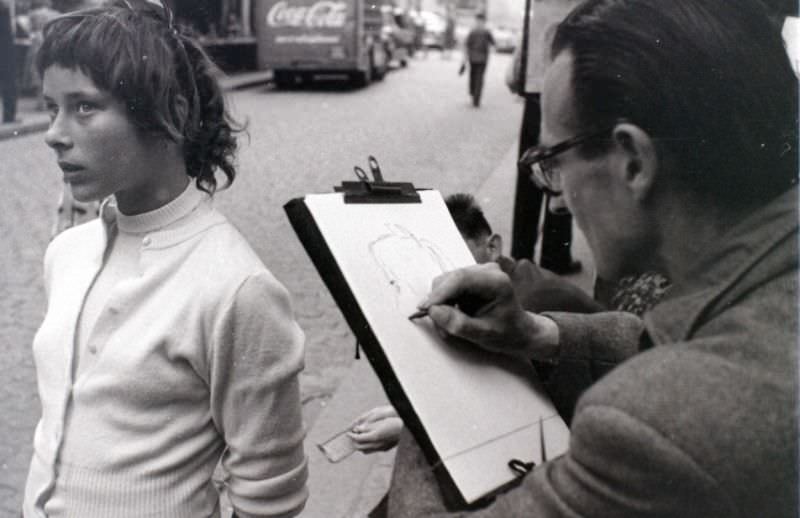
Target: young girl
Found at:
167, 345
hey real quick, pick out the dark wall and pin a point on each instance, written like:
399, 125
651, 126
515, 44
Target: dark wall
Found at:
200, 14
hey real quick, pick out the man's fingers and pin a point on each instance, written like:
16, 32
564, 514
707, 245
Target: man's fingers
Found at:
482, 279
455, 323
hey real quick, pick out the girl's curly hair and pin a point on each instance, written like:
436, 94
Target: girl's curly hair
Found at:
163, 76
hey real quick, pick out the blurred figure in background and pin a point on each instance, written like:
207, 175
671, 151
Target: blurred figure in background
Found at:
41, 13
8, 62
476, 53
449, 37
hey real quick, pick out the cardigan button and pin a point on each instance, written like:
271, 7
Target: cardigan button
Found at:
93, 349
146, 241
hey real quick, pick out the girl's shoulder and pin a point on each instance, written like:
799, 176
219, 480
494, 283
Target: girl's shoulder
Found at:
87, 235
225, 252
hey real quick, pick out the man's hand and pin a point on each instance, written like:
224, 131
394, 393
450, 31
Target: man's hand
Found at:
497, 323
376, 430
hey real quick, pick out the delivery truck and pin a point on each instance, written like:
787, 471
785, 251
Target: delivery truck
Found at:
300, 39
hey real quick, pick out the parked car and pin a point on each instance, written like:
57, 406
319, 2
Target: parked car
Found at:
505, 39
435, 26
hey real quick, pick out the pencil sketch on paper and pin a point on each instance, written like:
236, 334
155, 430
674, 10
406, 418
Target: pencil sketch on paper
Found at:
408, 263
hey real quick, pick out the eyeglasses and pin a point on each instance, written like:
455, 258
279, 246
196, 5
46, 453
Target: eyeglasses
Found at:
543, 168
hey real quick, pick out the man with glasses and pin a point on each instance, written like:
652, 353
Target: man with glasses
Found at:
669, 131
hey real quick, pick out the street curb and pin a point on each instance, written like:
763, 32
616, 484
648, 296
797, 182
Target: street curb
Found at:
18, 129
245, 80
39, 122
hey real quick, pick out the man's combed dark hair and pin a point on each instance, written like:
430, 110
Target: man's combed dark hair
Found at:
468, 216
164, 78
709, 80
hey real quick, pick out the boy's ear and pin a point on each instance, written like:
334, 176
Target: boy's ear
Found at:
495, 247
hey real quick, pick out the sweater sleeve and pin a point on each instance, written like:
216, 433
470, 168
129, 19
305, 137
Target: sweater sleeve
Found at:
255, 400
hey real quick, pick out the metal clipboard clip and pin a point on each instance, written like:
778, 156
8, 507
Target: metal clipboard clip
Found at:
376, 190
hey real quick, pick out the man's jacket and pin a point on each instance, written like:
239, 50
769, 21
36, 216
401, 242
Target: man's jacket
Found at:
696, 412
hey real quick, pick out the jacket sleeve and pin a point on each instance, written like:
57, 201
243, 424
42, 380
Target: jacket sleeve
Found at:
255, 400
617, 466
589, 347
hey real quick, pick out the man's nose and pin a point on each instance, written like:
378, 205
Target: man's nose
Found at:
556, 204
57, 135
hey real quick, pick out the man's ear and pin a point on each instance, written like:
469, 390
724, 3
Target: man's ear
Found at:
495, 247
638, 164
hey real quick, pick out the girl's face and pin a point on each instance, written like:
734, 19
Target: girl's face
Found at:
97, 146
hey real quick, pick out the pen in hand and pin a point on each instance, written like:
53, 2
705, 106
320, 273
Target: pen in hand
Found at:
469, 304
418, 314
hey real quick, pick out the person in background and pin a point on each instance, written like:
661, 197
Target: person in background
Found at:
8, 62
71, 212
449, 36
476, 54
529, 201
536, 288
691, 411
167, 347
41, 13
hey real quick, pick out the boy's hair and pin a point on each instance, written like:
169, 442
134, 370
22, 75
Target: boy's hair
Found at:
468, 216
164, 78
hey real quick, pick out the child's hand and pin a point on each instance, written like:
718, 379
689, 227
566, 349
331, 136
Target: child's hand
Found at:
376, 430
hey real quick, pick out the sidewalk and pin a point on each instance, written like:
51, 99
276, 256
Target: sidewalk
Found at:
33, 121
352, 487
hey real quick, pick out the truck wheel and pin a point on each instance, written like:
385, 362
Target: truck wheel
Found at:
282, 78
364, 77
378, 72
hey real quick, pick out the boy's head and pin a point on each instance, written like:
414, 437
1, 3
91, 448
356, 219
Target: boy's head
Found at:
471, 223
132, 50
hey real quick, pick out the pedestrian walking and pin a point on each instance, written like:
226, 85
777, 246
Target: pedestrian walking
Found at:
167, 347
8, 62
449, 36
529, 200
476, 53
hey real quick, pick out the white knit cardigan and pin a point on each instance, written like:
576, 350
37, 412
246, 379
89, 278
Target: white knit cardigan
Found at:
198, 362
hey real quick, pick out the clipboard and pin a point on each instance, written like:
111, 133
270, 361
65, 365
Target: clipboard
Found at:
472, 412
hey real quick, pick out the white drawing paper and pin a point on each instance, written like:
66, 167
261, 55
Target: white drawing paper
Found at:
479, 410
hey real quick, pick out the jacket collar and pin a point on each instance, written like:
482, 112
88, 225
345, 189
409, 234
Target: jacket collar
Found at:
757, 249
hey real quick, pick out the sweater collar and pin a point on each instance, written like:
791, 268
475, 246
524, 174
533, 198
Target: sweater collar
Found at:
186, 222
162, 217
760, 247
